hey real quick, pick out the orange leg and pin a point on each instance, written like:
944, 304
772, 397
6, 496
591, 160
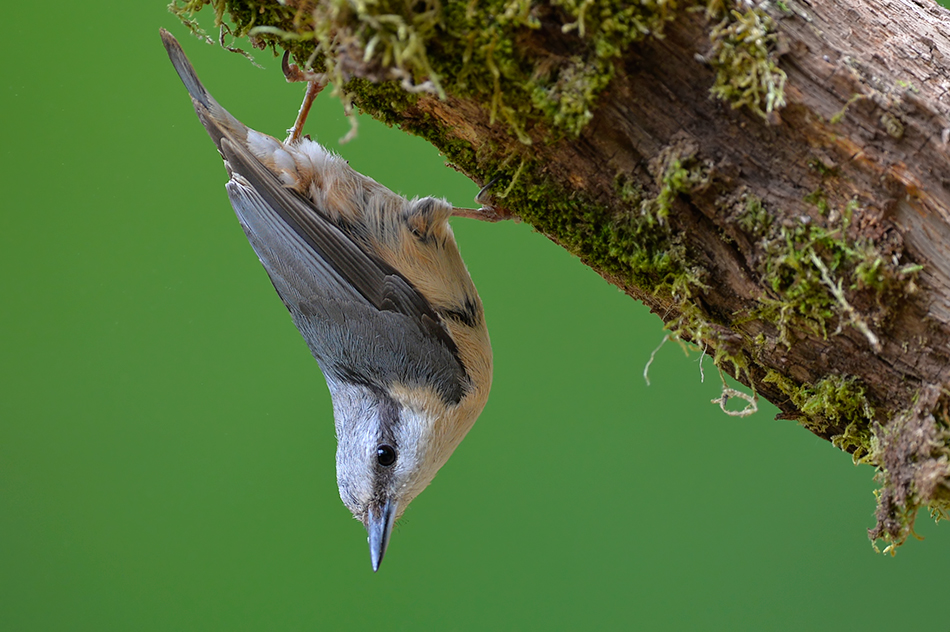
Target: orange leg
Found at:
315, 84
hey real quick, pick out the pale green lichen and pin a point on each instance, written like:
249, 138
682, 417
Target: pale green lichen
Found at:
892, 125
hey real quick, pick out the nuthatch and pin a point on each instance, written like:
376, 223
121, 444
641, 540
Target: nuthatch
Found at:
376, 286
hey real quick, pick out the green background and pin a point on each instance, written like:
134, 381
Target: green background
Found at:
166, 441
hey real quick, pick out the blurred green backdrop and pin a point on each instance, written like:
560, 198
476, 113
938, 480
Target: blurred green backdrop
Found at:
166, 441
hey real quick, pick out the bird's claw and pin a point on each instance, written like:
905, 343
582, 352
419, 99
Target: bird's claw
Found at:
487, 212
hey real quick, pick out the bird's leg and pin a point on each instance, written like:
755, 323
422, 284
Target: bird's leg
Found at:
316, 82
313, 89
486, 212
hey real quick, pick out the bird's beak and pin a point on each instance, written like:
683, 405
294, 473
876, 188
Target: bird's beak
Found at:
379, 525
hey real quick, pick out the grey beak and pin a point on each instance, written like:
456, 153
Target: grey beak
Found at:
379, 526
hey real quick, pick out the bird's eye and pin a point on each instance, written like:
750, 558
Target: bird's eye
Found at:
385, 454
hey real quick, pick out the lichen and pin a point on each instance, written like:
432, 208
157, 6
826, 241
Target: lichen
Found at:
892, 125
744, 57
913, 456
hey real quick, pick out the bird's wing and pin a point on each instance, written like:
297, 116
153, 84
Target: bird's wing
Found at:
361, 318
355, 311
352, 268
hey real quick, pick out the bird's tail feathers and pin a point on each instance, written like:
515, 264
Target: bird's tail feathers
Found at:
215, 118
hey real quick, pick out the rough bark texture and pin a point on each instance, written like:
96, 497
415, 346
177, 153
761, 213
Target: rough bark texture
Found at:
805, 246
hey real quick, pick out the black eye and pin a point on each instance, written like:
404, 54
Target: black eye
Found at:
385, 454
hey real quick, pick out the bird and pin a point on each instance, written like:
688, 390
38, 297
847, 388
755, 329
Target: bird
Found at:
377, 287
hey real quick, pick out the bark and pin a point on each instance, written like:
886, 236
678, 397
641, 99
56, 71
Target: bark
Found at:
804, 244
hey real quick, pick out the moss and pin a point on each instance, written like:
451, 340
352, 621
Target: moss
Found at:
818, 165
755, 219
467, 49
815, 274
840, 399
240, 20
744, 57
839, 116
818, 199
828, 403
608, 29
799, 298
484, 50
384, 101
680, 174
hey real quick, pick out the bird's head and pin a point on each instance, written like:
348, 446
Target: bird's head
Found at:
390, 445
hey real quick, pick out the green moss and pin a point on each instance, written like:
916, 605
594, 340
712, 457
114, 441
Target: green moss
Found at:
810, 270
608, 28
828, 403
484, 50
492, 51
826, 171
384, 101
755, 218
743, 55
837, 118
241, 19
799, 297
467, 49
680, 174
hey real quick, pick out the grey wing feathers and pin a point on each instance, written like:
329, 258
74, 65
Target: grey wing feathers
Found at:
376, 281
360, 318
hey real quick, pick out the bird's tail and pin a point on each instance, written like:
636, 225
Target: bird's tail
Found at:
215, 118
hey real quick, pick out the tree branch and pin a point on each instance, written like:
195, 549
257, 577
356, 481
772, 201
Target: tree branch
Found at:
773, 181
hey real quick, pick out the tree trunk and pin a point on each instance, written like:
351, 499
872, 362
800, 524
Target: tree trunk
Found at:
773, 181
